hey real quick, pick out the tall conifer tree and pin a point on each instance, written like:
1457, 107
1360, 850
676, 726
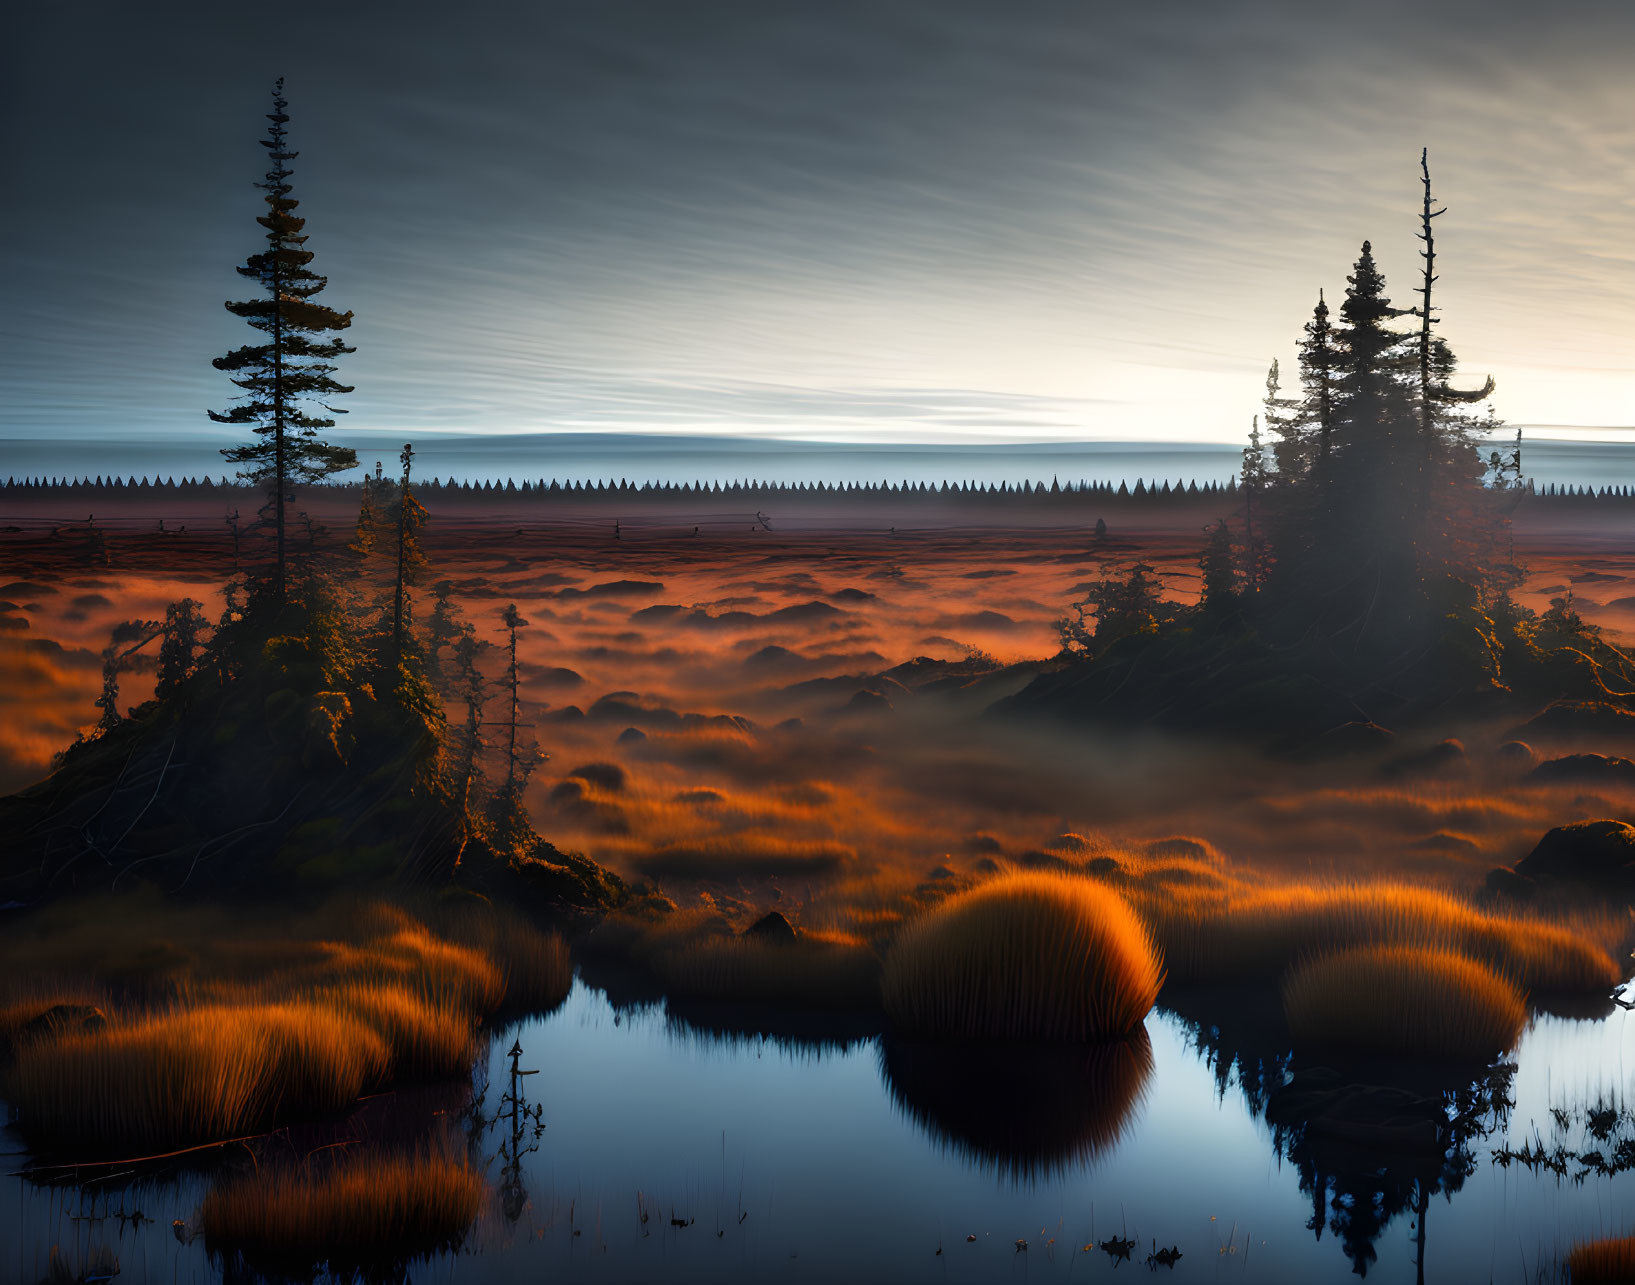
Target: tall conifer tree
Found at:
292, 365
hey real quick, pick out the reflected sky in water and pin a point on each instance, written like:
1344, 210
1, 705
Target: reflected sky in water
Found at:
795, 1161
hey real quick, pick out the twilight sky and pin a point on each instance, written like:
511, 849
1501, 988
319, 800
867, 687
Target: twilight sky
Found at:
905, 218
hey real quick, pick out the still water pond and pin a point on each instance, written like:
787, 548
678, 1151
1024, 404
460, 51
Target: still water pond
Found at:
754, 1159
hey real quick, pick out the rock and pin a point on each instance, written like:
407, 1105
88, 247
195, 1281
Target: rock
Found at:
866, 701
630, 736
1516, 754
1505, 883
1105, 867
1600, 854
1070, 843
772, 927
61, 1019
1598, 769
1580, 718
1445, 758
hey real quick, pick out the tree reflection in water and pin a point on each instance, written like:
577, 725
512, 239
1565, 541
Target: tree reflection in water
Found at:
1371, 1139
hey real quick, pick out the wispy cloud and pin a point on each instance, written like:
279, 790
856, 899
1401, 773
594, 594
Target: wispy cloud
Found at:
924, 218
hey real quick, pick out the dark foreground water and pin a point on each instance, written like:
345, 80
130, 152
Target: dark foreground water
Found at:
860, 1160
641, 457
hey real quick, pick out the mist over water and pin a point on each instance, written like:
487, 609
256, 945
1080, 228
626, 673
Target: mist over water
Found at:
645, 457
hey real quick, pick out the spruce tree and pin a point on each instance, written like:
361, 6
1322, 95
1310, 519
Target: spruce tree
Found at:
292, 365
408, 515
1254, 477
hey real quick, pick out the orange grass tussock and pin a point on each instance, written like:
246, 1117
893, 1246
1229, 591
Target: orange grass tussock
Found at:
1025, 956
357, 1213
1411, 1001
223, 1037
1265, 931
191, 1076
1602, 1262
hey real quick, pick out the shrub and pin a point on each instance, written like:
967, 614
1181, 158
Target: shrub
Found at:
1414, 1001
1026, 956
357, 1213
1603, 1262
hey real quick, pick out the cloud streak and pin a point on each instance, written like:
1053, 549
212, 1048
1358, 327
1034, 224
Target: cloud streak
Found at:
923, 219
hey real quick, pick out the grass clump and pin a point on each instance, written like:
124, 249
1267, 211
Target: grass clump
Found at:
816, 970
1262, 932
177, 1079
243, 1031
427, 1040
1026, 956
358, 1213
1610, 1261
1410, 1001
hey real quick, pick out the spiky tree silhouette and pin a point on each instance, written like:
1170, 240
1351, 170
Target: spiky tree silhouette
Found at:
293, 365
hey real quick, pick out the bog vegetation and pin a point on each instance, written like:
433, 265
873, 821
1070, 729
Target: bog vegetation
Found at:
343, 749
1026, 957
1414, 1001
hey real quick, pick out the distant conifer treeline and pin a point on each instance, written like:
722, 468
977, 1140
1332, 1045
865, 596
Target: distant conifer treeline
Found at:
741, 492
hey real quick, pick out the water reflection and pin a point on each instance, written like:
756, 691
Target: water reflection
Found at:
1026, 1113
786, 1157
1371, 1139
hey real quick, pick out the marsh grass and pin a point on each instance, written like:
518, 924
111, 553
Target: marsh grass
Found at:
1261, 933
1025, 956
536, 972
358, 1213
274, 1024
1408, 1001
830, 971
171, 1080
1602, 1262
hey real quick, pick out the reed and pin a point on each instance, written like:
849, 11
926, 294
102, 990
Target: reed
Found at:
535, 969
357, 1213
1025, 956
1408, 1001
426, 1040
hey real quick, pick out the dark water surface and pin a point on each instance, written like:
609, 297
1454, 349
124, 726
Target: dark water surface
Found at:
854, 1161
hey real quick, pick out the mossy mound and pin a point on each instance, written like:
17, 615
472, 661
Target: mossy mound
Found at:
297, 759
